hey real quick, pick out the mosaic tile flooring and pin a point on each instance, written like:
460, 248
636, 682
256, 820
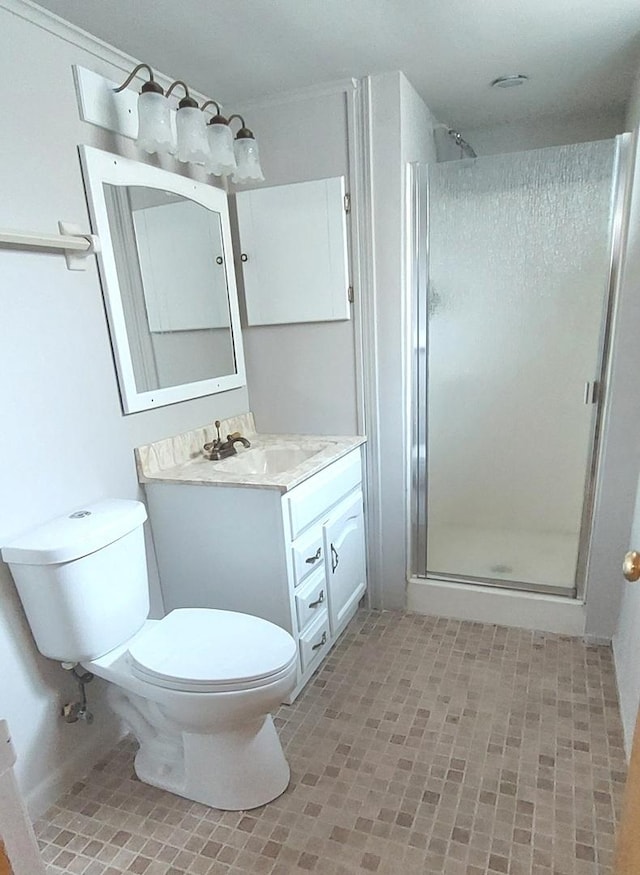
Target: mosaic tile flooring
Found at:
423, 745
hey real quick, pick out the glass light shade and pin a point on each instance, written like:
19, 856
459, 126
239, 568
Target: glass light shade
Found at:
154, 123
222, 161
192, 136
248, 160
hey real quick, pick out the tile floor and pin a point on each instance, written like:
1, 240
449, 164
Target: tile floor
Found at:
423, 745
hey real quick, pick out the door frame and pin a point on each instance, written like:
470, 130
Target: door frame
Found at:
623, 172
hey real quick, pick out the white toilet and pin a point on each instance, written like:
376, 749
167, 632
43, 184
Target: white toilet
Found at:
196, 688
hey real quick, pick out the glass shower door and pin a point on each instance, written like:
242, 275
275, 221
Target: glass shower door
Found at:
510, 348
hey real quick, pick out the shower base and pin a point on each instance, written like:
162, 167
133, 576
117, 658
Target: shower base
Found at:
501, 556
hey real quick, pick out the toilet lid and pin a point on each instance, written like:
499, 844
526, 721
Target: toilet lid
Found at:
205, 650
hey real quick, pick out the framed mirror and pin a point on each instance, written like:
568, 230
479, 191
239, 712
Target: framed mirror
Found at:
168, 281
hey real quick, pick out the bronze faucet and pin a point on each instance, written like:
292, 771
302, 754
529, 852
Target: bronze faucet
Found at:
219, 449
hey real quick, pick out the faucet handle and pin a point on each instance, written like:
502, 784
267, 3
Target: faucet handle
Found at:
213, 445
234, 437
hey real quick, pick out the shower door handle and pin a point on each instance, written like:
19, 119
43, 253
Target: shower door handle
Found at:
591, 392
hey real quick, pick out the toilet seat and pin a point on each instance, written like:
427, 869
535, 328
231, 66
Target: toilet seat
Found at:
207, 651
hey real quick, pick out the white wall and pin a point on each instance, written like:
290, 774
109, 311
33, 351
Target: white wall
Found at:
626, 641
401, 132
302, 376
538, 133
64, 440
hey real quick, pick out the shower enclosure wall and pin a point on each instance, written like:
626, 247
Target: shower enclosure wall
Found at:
511, 313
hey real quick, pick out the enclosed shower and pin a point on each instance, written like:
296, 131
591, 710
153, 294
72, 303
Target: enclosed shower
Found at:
514, 267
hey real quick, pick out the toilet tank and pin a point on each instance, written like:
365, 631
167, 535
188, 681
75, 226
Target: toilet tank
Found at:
82, 579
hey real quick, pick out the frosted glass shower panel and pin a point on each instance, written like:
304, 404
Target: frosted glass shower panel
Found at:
518, 270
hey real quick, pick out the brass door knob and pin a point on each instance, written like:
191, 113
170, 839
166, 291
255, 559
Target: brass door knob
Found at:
631, 566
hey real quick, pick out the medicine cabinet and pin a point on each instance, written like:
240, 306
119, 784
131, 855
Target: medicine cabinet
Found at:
295, 265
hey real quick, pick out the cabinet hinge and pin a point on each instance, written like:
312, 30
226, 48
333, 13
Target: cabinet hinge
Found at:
350, 294
347, 203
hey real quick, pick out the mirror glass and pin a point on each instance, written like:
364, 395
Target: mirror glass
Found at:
169, 260
166, 266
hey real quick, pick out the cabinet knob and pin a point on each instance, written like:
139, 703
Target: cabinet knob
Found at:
311, 559
321, 642
244, 257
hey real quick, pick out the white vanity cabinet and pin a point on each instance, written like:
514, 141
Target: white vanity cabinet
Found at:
344, 551
296, 558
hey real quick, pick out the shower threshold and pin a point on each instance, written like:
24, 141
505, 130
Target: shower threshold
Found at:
543, 562
517, 585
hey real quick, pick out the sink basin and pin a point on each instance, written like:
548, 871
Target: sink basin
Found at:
266, 460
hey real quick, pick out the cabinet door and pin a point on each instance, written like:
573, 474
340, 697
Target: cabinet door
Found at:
345, 557
294, 246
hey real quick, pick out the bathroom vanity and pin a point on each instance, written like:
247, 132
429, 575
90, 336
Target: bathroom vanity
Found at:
276, 531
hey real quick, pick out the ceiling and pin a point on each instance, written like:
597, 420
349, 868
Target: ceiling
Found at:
581, 55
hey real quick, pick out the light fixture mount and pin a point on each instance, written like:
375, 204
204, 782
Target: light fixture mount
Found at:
243, 133
218, 118
510, 80
152, 86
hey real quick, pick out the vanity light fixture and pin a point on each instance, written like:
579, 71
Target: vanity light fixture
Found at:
247, 157
195, 141
222, 161
190, 127
155, 133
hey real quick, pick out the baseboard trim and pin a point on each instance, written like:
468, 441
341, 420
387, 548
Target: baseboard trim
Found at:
597, 640
57, 782
503, 607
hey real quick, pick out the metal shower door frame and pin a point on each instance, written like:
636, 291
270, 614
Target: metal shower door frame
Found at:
417, 262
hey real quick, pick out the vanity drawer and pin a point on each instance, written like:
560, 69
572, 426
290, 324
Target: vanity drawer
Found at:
316, 495
308, 553
311, 598
315, 641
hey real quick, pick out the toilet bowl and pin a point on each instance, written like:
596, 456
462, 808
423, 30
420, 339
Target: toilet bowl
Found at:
197, 688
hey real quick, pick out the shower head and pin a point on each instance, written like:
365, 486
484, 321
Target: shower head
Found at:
465, 148
451, 145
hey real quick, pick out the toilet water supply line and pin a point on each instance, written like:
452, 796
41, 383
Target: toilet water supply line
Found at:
74, 711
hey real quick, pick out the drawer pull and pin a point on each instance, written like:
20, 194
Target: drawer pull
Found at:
318, 601
334, 559
321, 642
311, 559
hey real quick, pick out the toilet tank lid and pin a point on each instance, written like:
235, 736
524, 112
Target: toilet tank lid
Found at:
77, 533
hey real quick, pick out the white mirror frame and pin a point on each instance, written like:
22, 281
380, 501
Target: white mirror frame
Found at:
104, 167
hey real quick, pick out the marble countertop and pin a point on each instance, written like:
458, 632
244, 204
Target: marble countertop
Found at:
180, 459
